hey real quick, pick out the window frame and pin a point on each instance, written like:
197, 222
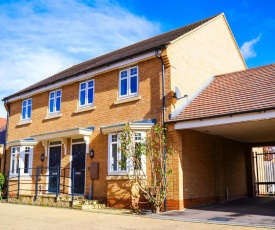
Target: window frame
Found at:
25, 113
128, 79
86, 99
55, 98
129, 165
20, 153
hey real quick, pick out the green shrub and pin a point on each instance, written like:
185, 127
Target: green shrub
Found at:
2, 182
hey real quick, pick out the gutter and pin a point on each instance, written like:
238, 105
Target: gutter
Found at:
223, 115
158, 55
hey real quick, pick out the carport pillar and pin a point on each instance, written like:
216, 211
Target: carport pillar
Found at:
249, 171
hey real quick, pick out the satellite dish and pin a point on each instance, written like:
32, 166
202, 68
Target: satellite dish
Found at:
177, 93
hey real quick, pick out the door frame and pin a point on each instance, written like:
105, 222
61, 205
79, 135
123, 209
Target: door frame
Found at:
71, 162
48, 172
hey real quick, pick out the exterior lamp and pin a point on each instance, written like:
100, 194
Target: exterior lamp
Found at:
42, 157
92, 153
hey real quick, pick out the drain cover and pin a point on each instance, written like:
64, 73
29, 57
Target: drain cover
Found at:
221, 219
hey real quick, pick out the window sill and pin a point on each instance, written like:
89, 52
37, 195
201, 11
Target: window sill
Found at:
121, 177
22, 177
128, 99
84, 109
52, 116
24, 122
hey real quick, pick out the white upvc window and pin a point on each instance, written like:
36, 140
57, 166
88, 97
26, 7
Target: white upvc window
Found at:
55, 101
128, 82
21, 159
86, 93
27, 109
119, 164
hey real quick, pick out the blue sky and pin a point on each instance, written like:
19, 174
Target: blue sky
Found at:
39, 38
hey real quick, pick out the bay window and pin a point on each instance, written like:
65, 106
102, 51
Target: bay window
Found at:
21, 159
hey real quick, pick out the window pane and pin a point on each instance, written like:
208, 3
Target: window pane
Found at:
52, 95
24, 113
51, 105
24, 103
123, 162
83, 86
29, 101
134, 84
29, 111
123, 74
90, 83
133, 71
90, 96
58, 93
114, 157
13, 164
82, 97
26, 163
123, 90
58, 103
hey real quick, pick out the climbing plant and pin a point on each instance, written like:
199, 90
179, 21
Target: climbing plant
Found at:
2, 182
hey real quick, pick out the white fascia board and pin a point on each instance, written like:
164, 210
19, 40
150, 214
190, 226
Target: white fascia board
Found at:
21, 143
81, 77
133, 126
225, 120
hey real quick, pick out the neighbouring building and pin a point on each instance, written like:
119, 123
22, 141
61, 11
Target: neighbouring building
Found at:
73, 119
2, 142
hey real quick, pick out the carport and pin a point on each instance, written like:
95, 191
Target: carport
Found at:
232, 114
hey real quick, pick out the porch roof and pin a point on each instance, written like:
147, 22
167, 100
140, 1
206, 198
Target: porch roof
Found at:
77, 131
27, 141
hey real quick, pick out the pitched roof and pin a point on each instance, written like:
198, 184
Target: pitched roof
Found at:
117, 55
2, 130
234, 93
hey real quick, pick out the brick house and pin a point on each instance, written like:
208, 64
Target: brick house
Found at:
63, 119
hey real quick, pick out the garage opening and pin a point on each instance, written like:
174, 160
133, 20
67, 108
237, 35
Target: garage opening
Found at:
264, 170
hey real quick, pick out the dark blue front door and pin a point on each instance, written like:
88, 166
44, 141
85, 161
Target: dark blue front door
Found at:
78, 164
54, 165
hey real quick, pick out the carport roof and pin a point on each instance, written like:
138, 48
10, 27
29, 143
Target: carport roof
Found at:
234, 93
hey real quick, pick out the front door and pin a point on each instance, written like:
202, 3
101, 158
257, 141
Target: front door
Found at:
54, 165
78, 164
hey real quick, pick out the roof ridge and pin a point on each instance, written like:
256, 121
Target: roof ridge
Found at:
137, 48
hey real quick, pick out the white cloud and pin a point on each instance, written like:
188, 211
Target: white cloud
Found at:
247, 49
38, 38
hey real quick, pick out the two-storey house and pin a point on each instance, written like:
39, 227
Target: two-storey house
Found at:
74, 118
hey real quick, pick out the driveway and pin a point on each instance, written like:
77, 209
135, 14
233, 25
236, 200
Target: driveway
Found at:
25, 217
258, 211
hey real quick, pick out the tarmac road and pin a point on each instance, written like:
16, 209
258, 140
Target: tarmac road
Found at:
25, 217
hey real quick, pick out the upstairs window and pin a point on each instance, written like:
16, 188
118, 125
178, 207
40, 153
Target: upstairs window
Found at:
55, 101
128, 82
86, 93
26, 109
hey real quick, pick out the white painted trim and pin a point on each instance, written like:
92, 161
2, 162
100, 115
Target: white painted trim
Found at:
24, 122
225, 120
21, 143
85, 109
81, 77
133, 126
52, 116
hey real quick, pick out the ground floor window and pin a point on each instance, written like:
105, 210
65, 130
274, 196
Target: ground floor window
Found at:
21, 159
118, 163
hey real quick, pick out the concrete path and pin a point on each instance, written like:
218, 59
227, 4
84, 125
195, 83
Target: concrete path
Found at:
24, 217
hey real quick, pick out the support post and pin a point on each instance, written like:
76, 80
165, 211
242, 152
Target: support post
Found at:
72, 187
18, 186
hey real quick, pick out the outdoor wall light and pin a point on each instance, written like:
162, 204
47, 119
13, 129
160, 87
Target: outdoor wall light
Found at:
42, 157
92, 153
